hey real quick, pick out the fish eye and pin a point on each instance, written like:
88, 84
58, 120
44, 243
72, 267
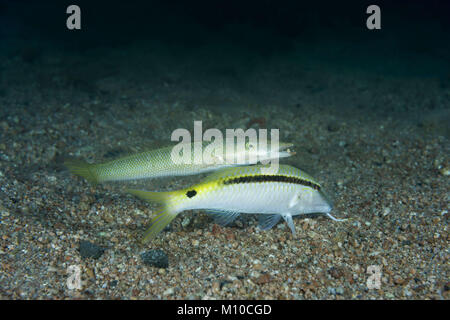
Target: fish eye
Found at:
249, 145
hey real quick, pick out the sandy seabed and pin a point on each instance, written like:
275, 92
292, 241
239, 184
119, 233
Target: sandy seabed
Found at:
378, 142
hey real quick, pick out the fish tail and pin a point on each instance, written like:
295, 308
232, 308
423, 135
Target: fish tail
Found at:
82, 168
163, 217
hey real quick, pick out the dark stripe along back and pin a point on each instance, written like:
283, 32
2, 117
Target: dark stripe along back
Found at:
272, 178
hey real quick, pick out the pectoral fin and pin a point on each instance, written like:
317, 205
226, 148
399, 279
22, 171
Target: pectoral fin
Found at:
267, 221
288, 218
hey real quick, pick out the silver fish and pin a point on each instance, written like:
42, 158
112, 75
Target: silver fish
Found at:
283, 193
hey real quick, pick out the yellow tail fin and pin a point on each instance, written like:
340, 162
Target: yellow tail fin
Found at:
81, 168
162, 218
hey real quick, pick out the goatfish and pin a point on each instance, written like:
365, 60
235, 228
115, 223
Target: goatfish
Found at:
272, 194
159, 162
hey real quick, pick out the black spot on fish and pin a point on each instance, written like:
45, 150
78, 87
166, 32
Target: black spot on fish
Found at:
191, 193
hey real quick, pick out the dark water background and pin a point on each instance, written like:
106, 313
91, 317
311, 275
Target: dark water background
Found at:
232, 36
233, 56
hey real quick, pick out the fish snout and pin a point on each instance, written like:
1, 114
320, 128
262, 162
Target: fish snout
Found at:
321, 203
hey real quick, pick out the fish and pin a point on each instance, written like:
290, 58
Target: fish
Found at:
159, 162
271, 194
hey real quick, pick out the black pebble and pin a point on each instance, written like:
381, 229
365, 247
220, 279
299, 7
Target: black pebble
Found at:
113, 283
156, 258
90, 250
333, 126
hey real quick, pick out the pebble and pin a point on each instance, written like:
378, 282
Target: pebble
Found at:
139, 212
333, 126
257, 266
312, 235
90, 250
216, 286
155, 258
336, 272
445, 171
264, 278
90, 273
169, 292
186, 221
52, 269
406, 292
